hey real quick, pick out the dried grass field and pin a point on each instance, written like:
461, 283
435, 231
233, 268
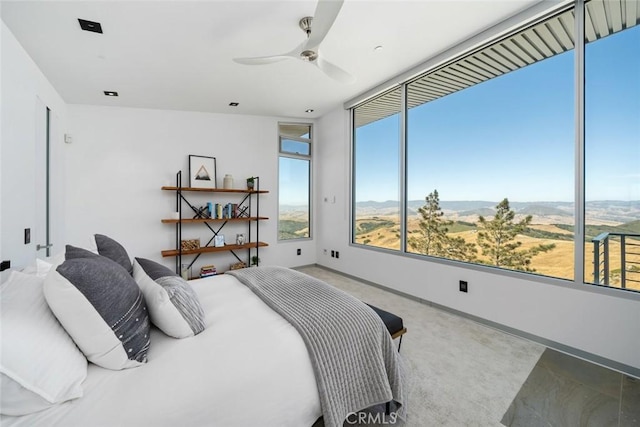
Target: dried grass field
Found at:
384, 232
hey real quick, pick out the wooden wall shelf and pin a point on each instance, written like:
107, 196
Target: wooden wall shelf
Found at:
201, 220
215, 190
214, 225
210, 249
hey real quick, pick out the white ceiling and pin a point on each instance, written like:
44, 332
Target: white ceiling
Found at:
177, 55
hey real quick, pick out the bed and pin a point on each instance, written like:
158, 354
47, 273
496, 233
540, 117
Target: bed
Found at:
248, 366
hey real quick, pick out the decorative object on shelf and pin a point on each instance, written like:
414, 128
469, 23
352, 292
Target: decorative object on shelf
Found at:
202, 172
218, 241
174, 215
185, 271
239, 239
237, 266
250, 182
190, 244
227, 182
255, 260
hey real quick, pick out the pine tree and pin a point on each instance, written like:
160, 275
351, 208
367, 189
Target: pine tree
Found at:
497, 239
433, 227
433, 239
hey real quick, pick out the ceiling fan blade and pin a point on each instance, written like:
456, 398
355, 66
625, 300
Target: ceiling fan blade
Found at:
324, 17
261, 60
333, 71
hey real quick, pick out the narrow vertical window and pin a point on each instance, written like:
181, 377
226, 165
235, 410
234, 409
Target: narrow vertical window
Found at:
294, 187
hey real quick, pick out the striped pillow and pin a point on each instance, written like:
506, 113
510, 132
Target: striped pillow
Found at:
173, 305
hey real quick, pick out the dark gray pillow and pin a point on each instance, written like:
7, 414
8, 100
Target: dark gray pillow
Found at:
103, 310
71, 252
174, 306
113, 250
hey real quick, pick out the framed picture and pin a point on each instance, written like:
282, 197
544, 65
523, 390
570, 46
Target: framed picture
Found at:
202, 172
218, 241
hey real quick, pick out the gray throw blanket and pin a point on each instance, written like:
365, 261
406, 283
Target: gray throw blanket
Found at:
354, 359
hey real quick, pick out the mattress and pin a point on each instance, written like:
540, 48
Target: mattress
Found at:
248, 367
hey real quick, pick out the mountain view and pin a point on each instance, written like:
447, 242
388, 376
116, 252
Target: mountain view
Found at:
377, 224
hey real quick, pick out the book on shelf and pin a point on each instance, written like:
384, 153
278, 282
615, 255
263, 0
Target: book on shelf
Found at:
208, 270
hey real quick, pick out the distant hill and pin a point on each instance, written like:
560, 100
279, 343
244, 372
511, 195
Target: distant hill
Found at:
543, 210
609, 212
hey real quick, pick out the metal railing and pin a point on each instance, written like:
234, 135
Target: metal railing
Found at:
629, 259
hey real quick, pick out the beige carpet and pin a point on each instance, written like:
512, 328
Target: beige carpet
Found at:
461, 373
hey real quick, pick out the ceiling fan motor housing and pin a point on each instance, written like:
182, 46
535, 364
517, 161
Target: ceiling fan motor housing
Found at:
305, 24
308, 55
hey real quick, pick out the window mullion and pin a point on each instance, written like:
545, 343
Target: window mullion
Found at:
579, 65
403, 168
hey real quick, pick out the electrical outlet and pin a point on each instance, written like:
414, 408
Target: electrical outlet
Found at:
337, 254
299, 251
464, 286
27, 236
5, 265
333, 254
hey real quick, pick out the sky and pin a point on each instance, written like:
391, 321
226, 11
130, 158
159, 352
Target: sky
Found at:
513, 136
294, 182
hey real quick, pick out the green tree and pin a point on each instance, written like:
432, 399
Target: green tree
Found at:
433, 238
497, 239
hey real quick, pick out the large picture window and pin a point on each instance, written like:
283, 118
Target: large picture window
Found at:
498, 189
612, 149
294, 186
376, 166
489, 174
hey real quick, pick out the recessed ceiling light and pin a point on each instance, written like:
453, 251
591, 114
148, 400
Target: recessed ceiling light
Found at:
94, 27
234, 104
110, 93
308, 110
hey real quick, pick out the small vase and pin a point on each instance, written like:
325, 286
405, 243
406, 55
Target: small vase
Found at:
227, 182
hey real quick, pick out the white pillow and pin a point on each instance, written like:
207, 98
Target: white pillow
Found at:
173, 305
40, 364
40, 267
100, 305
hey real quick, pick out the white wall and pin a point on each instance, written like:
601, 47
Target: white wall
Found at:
22, 84
604, 325
120, 157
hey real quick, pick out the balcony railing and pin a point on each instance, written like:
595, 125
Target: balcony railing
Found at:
629, 264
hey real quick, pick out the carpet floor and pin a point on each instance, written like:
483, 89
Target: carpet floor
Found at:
460, 373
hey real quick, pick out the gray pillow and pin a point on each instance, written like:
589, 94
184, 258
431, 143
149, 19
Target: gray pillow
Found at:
113, 250
71, 252
103, 310
174, 306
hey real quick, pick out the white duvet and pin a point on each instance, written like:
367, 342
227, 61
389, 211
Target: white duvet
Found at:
249, 367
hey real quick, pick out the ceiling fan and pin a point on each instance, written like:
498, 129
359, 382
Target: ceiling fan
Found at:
316, 29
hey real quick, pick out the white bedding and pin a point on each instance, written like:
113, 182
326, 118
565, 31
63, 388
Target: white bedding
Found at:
248, 367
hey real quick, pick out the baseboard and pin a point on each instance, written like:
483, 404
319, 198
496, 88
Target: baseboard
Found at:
572, 351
